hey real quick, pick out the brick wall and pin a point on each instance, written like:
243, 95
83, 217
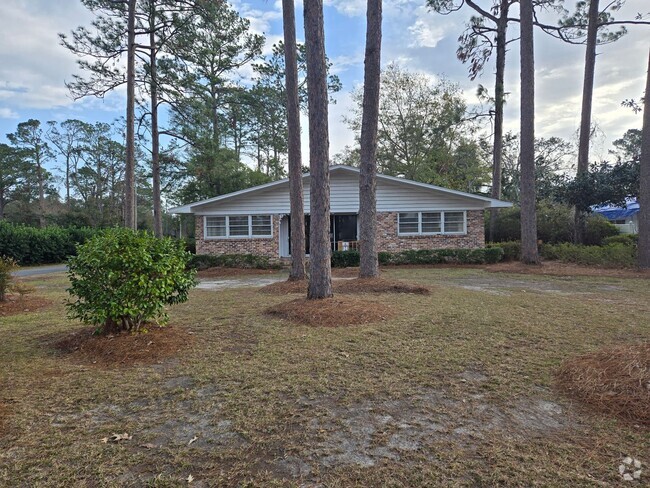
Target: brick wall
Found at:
388, 240
261, 246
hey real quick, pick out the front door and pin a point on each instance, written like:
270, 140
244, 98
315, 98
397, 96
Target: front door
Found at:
342, 228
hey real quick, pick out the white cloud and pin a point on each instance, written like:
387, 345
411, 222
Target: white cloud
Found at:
428, 29
7, 113
33, 66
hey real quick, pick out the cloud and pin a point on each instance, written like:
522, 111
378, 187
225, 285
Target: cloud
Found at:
33, 66
7, 113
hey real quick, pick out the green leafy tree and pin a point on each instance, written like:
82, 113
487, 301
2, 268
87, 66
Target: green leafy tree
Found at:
14, 174
30, 140
121, 280
423, 133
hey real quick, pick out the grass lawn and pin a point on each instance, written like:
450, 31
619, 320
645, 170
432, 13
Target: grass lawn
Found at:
456, 389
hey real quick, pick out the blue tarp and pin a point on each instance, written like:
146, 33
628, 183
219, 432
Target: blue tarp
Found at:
611, 212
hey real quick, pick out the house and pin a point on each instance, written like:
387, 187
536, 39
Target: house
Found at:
410, 215
626, 219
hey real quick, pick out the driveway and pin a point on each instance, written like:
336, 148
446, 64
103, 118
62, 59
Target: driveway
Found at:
41, 270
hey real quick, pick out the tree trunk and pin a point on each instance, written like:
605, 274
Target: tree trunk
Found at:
499, 101
297, 214
41, 190
644, 182
320, 276
585, 116
129, 176
155, 136
67, 180
369, 265
529, 251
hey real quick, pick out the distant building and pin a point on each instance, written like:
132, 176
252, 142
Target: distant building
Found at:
625, 218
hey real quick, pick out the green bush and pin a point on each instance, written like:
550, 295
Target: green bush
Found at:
342, 259
7, 265
247, 261
31, 245
610, 256
511, 249
627, 239
598, 228
122, 279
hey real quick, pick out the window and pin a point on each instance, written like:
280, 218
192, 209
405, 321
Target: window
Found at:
454, 222
426, 223
261, 225
409, 223
239, 226
215, 226
432, 222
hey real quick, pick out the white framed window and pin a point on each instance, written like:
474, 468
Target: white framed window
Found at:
215, 227
431, 223
238, 226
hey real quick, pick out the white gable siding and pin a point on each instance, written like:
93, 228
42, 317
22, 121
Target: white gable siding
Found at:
344, 191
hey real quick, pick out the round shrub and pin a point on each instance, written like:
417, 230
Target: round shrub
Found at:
598, 228
122, 279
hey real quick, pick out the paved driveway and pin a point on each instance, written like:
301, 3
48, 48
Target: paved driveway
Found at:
57, 268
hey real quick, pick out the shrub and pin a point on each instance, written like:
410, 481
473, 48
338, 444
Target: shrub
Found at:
249, 261
598, 228
610, 256
345, 259
425, 256
7, 265
511, 249
121, 279
31, 245
627, 239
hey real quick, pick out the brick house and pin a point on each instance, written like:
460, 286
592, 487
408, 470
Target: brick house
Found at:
411, 215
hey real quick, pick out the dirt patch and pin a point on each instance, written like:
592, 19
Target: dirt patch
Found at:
156, 344
234, 272
345, 272
379, 285
331, 312
368, 433
285, 288
615, 380
16, 305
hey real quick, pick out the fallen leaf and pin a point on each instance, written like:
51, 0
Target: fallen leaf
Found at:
190, 478
148, 446
105, 440
120, 437
193, 439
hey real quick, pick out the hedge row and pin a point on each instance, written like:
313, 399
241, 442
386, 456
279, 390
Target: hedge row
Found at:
617, 255
251, 261
343, 259
31, 245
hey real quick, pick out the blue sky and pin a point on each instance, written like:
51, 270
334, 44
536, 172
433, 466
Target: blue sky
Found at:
34, 67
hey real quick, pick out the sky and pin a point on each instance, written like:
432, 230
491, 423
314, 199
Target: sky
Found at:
34, 66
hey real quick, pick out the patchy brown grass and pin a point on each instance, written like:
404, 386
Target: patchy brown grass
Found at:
556, 268
4, 416
454, 389
614, 380
233, 272
349, 286
332, 312
345, 272
285, 288
379, 285
149, 347
16, 305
